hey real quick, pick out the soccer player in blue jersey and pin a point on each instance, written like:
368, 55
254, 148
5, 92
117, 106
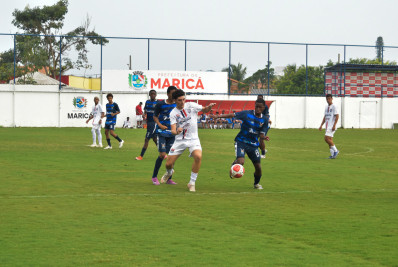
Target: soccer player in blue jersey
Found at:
165, 138
254, 126
149, 110
112, 109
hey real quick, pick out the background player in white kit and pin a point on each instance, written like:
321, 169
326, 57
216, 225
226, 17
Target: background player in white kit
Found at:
97, 114
331, 118
183, 121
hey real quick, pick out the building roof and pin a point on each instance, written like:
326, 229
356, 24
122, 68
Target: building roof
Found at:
361, 67
39, 78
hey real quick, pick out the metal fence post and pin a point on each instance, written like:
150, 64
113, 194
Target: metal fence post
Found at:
60, 61
185, 67
101, 73
344, 69
229, 70
306, 70
15, 55
268, 68
148, 53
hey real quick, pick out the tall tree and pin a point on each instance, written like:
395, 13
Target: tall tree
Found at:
49, 21
379, 48
261, 77
237, 72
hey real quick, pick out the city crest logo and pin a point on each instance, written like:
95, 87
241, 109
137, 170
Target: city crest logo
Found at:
80, 102
138, 80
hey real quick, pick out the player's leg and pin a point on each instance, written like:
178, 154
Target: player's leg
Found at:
108, 140
254, 155
99, 135
172, 150
197, 161
94, 137
112, 131
332, 147
161, 140
171, 159
262, 147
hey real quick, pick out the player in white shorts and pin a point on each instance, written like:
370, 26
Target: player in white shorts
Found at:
97, 114
331, 118
183, 122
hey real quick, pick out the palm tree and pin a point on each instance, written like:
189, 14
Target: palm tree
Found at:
236, 72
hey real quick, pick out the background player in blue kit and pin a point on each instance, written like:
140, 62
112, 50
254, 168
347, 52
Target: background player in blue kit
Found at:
149, 110
254, 126
112, 109
163, 131
262, 144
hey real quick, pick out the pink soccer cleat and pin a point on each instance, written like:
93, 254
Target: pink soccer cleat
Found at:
155, 181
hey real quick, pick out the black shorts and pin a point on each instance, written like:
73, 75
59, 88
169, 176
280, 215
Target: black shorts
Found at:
150, 130
110, 126
165, 143
251, 151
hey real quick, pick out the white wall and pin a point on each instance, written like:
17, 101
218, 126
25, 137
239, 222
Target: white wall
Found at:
45, 106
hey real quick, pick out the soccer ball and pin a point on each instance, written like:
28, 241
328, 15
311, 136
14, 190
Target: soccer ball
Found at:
237, 171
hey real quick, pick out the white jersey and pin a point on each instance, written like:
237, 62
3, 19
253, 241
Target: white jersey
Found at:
187, 119
330, 116
96, 112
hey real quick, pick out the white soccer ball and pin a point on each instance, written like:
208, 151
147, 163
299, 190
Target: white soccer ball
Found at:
237, 171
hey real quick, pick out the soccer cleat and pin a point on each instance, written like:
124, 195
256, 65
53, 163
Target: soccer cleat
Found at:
258, 187
191, 187
99, 145
170, 182
121, 144
93, 145
155, 181
138, 158
166, 177
330, 157
335, 154
263, 156
108, 147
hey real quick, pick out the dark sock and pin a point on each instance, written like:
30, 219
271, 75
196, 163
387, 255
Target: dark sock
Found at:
257, 179
109, 142
158, 163
117, 138
143, 152
262, 152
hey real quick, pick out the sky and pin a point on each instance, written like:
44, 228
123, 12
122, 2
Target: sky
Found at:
292, 21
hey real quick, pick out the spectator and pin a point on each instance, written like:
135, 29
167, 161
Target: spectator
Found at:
127, 123
139, 112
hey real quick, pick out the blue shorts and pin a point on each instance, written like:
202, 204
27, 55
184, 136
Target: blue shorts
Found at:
110, 126
251, 151
165, 143
150, 130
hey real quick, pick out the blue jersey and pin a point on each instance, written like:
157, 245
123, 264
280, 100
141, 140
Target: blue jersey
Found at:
162, 111
251, 127
150, 110
111, 108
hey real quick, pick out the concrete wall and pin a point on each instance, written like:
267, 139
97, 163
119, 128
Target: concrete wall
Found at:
45, 106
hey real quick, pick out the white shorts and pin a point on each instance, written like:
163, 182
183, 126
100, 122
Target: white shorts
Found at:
179, 147
139, 117
97, 126
329, 132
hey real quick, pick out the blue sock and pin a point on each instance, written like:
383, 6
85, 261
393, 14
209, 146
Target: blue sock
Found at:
158, 163
262, 152
109, 142
143, 152
117, 138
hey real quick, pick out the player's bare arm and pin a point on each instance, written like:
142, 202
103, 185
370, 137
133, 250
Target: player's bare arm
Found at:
208, 108
175, 130
335, 122
89, 118
114, 114
323, 122
263, 137
161, 126
231, 115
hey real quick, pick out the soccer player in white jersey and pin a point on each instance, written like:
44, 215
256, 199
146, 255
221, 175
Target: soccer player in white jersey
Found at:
331, 118
183, 122
97, 114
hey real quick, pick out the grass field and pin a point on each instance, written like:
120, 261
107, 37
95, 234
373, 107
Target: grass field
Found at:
64, 203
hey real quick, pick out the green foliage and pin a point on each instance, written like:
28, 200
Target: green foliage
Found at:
49, 20
66, 204
293, 80
379, 48
261, 77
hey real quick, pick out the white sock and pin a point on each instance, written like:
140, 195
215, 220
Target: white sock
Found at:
331, 151
94, 137
334, 148
211, 127
193, 178
169, 171
99, 136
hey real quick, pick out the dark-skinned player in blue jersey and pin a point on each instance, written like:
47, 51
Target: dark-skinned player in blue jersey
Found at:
165, 138
112, 109
149, 111
254, 126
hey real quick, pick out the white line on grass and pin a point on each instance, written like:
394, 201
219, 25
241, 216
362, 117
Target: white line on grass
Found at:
204, 193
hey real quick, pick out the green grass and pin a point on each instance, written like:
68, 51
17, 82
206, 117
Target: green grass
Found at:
64, 203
